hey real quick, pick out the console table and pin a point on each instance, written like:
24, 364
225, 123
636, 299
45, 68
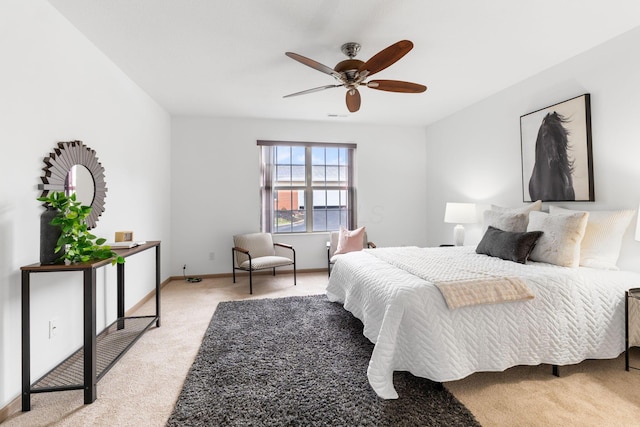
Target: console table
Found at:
84, 368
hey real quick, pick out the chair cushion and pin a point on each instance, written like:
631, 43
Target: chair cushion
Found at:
266, 262
258, 245
333, 243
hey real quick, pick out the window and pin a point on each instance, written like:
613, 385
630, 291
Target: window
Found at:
307, 187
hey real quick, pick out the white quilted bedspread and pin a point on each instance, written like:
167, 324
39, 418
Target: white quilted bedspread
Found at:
576, 314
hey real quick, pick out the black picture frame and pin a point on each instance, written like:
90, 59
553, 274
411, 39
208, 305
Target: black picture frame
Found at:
557, 160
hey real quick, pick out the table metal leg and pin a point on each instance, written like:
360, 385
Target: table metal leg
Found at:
120, 268
26, 344
158, 285
90, 381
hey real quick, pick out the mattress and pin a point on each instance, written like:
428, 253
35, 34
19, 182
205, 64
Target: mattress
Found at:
576, 314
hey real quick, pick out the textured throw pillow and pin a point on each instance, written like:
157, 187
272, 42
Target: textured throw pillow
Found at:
506, 221
350, 241
510, 219
561, 238
508, 245
535, 206
600, 246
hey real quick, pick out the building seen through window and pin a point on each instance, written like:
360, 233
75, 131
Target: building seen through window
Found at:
306, 187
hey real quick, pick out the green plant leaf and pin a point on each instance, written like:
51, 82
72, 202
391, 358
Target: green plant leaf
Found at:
80, 245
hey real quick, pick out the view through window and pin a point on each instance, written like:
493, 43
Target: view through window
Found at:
306, 187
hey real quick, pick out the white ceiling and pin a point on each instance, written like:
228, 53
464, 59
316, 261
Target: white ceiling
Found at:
226, 57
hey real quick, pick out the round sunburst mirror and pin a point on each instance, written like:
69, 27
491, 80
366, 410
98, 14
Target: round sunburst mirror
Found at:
73, 167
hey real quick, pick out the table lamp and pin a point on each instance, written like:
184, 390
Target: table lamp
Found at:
460, 213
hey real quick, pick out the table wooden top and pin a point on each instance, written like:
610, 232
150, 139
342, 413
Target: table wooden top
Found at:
123, 252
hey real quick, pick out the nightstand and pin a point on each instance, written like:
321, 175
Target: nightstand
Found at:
631, 294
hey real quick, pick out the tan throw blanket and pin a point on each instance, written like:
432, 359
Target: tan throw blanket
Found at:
463, 279
462, 293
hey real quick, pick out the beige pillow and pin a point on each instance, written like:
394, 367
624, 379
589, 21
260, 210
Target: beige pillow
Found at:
600, 246
561, 237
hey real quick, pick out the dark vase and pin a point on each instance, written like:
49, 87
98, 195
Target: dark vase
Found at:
49, 235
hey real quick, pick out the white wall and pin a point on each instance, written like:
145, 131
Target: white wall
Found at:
474, 155
216, 181
56, 86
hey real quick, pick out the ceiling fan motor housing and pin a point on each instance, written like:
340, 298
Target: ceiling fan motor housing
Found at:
349, 68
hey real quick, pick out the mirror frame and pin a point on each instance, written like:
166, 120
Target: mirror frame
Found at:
59, 163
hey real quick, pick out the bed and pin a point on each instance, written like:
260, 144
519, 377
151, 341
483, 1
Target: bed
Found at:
575, 314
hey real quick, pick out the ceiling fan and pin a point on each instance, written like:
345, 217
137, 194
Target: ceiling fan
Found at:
352, 73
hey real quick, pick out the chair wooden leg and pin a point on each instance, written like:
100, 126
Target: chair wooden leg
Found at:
274, 271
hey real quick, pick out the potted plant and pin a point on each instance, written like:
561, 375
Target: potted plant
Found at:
75, 244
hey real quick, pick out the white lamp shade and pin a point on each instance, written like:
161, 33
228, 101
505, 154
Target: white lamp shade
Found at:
460, 213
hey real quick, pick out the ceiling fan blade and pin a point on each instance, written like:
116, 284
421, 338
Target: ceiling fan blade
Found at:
315, 89
353, 100
386, 57
396, 86
314, 64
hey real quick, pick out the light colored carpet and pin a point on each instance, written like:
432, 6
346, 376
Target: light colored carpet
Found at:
141, 389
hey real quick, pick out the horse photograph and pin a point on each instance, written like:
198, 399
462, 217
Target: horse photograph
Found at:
556, 152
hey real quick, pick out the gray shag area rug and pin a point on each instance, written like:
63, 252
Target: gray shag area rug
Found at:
299, 361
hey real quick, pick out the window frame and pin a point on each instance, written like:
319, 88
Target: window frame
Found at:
267, 186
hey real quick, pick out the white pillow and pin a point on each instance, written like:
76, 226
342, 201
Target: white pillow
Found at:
600, 247
561, 237
514, 219
535, 206
506, 221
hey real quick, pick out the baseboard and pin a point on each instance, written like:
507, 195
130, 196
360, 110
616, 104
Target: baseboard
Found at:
146, 298
265, 272
14, 406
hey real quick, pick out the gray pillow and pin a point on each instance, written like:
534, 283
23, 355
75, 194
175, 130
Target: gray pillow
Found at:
508, 245
506, 221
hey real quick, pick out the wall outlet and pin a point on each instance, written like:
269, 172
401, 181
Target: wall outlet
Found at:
53, 327
212, 256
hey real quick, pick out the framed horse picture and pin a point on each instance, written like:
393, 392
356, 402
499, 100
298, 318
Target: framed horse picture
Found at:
557, 161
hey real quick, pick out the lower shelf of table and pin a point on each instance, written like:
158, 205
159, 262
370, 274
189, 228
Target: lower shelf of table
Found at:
111, 344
